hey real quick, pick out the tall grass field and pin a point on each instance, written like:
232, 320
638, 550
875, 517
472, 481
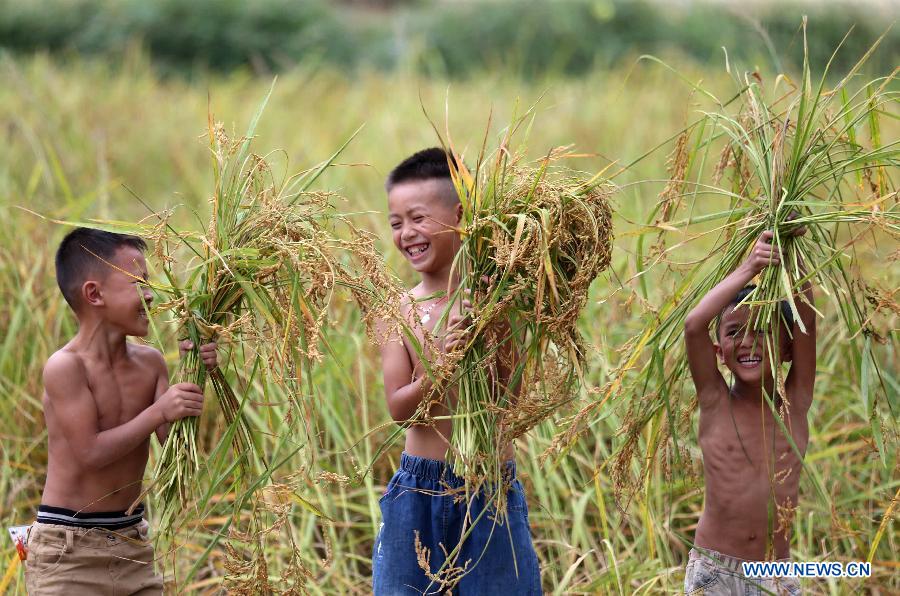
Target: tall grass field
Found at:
79, 138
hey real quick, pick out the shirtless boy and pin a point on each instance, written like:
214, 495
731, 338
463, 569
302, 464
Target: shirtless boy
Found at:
424, 213
752, 472
103, 398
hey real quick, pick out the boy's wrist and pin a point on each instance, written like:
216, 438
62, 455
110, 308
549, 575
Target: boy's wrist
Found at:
746, 269
159, 414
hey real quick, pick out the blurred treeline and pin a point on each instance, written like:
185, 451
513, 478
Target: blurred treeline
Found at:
528, 38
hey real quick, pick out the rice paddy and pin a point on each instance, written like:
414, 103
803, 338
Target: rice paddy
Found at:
75, 132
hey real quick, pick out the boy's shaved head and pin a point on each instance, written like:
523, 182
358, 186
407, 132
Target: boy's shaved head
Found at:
433, 163
786, 314
81, 255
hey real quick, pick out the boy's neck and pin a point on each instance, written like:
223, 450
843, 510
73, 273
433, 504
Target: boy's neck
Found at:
439, 281
99, 339
752, 391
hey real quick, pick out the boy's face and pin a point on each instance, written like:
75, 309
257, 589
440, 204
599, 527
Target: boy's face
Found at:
743, 350
117, 295
424, 218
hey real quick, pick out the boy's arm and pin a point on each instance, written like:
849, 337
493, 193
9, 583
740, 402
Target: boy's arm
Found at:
75, 413
701, 352
403, 395
802, 377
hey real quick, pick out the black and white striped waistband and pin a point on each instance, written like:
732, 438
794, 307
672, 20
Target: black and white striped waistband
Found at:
109, 520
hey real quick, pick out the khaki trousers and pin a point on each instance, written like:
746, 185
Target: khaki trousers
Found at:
75, 561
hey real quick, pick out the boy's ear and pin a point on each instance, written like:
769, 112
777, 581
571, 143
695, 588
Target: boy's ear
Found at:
459, 213
91, 293
718, 351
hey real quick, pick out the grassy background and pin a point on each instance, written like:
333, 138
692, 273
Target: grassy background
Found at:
75, 129
458, 38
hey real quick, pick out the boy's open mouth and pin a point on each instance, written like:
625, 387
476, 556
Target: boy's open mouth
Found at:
749, 361
143, 315
416, 250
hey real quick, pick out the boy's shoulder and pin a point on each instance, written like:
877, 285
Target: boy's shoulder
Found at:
64, 364
407, 299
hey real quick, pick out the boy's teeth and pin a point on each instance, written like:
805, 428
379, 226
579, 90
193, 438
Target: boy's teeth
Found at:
417, 250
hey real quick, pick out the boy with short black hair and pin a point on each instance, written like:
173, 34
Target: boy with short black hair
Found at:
103, 398
752, 471
423, 515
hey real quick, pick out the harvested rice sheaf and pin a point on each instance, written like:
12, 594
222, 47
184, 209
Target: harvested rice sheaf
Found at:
534, 237
261, 277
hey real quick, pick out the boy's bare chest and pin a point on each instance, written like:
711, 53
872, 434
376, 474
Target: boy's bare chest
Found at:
749, 440
427, 325
121, 392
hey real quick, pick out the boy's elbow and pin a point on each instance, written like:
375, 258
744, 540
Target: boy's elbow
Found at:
400, 419
692, 326
399, 409
399, 414
89, 458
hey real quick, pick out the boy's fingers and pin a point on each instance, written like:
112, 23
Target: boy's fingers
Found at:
767, 236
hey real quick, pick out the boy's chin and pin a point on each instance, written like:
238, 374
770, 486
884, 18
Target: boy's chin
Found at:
747, 374
139, 329
753, 377
424, 267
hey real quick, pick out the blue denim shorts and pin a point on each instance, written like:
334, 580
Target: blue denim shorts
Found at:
497, 556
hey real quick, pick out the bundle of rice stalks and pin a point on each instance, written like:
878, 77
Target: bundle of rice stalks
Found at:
263, 272
806, 156
534, 237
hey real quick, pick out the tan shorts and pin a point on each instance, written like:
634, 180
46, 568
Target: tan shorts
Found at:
714, 574
75, 561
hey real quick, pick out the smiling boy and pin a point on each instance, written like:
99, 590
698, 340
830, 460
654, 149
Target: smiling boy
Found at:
103, 398
422, 505
751, 470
